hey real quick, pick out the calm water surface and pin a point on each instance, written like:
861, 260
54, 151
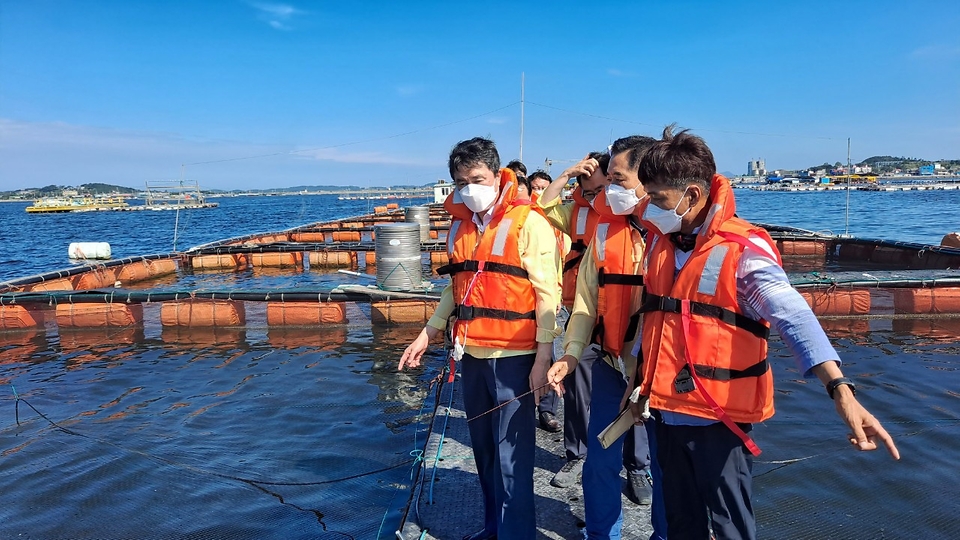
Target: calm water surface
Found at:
308, 433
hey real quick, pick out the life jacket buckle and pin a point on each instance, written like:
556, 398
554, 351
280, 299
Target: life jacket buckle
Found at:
683, 383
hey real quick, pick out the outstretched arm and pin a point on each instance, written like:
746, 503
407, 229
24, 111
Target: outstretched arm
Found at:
414, 352
866, 430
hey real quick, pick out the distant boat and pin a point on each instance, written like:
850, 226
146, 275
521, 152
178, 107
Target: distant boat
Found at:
50, 205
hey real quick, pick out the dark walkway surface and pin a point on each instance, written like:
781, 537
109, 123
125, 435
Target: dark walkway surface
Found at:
453, 507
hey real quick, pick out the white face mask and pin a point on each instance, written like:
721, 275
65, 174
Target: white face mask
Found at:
478, 197
622, 201
666, 221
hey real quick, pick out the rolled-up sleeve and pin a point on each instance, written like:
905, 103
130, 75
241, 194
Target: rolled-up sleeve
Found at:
560, 215
444, 309
584, 315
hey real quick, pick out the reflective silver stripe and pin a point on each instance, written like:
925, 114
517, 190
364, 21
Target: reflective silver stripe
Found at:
601, 243
711, 270
582, 221
500, 241
452, 235
649, 250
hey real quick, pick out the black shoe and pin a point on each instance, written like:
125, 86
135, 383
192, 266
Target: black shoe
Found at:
549, 422
482, 534
569, 474
638, 487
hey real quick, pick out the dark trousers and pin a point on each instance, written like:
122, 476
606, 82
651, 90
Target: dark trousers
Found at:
707, 481
576, 412
503, 441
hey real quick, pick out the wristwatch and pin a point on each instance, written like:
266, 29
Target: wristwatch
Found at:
839, 381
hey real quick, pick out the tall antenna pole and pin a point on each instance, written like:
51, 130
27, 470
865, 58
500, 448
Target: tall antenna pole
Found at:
846, 223
521, 115
176, 222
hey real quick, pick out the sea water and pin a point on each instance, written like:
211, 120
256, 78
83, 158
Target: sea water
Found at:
308, 434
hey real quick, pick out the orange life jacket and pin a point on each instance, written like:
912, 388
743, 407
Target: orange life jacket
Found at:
495, 301
618, 282
583, 223
701, 355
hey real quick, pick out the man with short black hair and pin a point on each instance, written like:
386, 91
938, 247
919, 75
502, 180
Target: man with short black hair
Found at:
504, 294
713, 288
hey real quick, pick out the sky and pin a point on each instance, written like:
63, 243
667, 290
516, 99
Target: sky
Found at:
237, 94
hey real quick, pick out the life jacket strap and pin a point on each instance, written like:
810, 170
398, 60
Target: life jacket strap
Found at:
633, 280
468, 313
471, 265
724, 374
748, 442
572, 263
653, 302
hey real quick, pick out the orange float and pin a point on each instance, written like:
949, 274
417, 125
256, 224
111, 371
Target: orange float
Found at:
98, 315
203, 313
933, 301
220, 261
332, 259
346, 236
838, 301
402, 311
305, 313
16, 317
277, 260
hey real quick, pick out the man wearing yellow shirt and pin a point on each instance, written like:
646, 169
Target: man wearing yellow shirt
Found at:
504, 296
608, 292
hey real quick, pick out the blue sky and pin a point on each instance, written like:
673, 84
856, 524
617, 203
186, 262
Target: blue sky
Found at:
249, 94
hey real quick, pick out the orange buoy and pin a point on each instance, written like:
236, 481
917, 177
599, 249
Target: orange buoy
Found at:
146, 269
346, 236
14, 317
98, 315
291, 259
439, 258
203, 312
96, 278
934, 300
392, 206
370, 257
402, 311
308, 237
332, 259
838, 301
802, 248
305, 313
59, 284
220, 261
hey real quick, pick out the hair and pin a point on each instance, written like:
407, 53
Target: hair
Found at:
679, 160
476, 151
637, 145
603, 158
541, 175
518, 167
525, 182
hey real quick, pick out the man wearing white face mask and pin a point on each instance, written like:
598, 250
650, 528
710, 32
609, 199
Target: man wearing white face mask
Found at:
504, 295
713, 288
604, 323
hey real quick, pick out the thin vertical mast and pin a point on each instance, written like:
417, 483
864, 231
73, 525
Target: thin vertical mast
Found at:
846, 223
521, 116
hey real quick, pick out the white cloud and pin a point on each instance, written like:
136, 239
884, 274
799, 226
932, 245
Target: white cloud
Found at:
936, 52
497, 120
278, 16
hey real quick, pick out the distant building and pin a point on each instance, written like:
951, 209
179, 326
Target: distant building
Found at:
927, 170
756, 167
440, 190
862, 169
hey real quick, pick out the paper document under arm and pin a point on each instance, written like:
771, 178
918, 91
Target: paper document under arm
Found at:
624, 420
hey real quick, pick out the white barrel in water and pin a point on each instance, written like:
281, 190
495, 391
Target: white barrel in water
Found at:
398, 256
89, 250
421, 215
